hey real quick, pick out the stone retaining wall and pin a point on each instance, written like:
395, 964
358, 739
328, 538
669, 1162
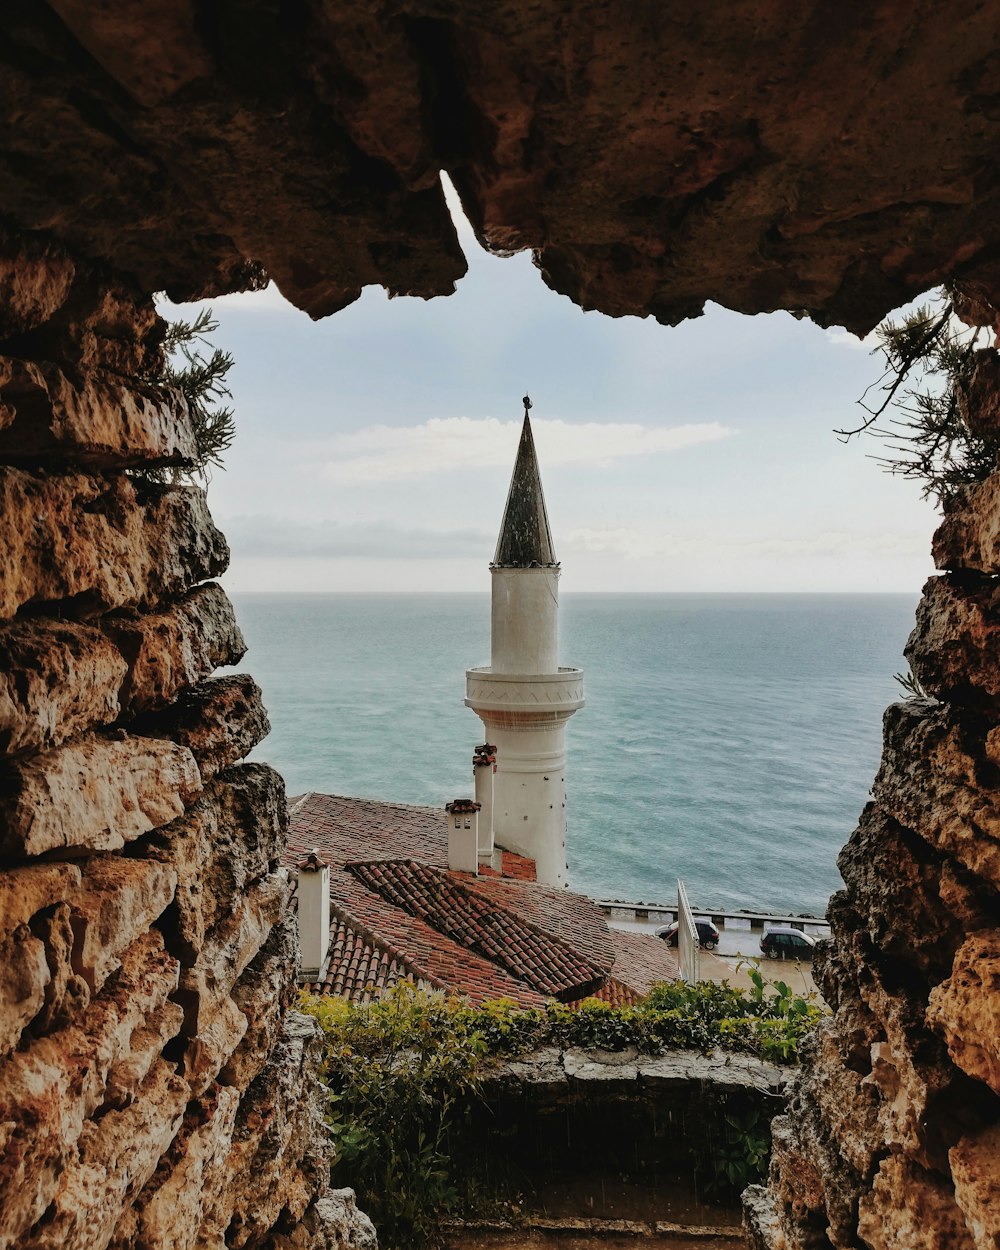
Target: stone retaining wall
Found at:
601, 1121
892, 1140
155, 1090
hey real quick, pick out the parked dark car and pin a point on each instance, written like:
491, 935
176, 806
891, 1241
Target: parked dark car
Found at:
785, 943
708, 934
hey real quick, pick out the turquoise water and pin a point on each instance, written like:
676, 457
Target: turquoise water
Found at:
727, 739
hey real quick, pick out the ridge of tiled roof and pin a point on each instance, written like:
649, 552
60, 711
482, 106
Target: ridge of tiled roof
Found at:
576, 919
499, 933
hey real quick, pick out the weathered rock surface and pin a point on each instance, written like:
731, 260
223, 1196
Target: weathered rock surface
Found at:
35, 280
91, 420
954, 649
24, 974
969, 535
116, 1156
168, 651
95, 794
219, 721
115, 1128
57, 679
119, 900
230, 838
977, 1185
228, 949
94, 540
333, 1222
911, 1209
948, 802
965, 1009
51, 1089
652, 165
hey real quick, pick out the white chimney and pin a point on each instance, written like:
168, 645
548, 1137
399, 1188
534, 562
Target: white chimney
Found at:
313, 915
463, 835
484, 765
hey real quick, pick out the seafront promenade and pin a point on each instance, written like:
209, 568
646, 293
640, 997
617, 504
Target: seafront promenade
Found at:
739, 940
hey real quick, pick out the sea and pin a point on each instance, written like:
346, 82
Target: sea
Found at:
727, 740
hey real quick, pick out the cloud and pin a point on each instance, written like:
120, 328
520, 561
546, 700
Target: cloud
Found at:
650, 543
383, 453
840, 337
256, 535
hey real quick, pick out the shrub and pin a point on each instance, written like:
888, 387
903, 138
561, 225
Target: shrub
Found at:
404, 1072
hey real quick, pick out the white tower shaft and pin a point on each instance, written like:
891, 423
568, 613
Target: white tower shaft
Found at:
524, 698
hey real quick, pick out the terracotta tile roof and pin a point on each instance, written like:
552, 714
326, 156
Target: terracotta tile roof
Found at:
614, 993
641, 961
571, 917
493, 938
452, 905
358, 969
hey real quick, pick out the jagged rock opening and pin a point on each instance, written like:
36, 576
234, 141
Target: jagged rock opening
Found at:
154, 1088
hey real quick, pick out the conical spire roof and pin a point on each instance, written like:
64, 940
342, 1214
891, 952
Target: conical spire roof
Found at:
525, 538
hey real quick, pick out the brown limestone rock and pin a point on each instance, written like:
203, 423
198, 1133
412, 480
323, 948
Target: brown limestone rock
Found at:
57, 679
67, 993
978, 394
892, 873
263, 994
35, 280
212, 1047
909, 1208
817, 1188
969, 535
117, 1156
144, 1050
930, 782
50, 1089
219, 721
170, 650
26, 891
954, 649
24, 975
119, 900
232, 836
95, 794
975, 1172
228, 949
170, 1209
965, 1009
91, 420
332, 1222
281, 1146
101, 543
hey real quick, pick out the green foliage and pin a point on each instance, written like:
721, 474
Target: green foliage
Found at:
741, 1158
911, 685
201, 378
927, 354
405, 1072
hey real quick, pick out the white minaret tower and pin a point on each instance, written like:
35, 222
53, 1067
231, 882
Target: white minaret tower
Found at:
524, 698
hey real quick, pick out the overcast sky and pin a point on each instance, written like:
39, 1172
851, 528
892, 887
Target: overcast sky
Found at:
374, 448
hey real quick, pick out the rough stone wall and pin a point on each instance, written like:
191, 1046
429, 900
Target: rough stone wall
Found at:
892, 1139
155, 1090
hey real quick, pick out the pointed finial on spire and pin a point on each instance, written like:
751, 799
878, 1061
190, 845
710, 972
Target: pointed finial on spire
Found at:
525, 538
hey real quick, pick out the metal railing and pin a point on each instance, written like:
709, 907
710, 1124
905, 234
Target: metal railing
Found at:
688, 947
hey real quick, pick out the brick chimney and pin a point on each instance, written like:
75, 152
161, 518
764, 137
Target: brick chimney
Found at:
313, 915
463, 835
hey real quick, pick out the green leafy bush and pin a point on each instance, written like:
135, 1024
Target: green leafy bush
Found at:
405, 1072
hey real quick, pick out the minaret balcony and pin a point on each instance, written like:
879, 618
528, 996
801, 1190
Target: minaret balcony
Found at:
553, 693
